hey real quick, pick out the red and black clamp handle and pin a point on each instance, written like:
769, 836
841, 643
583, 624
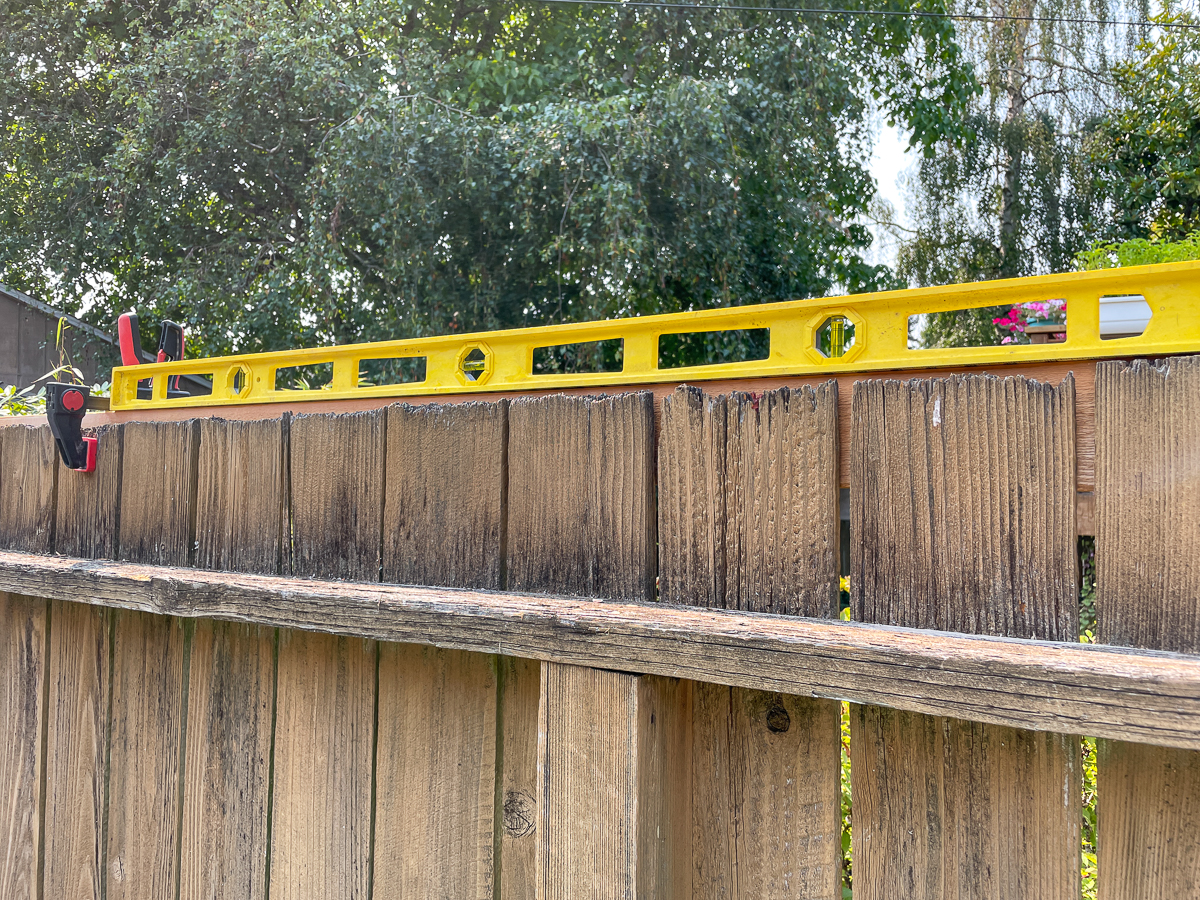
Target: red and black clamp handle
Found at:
170, 348
65, 405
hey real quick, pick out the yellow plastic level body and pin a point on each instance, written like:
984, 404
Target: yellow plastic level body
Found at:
879, 323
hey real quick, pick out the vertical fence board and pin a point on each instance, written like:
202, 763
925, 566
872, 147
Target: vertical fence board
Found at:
691, 498
581, 495
442, 516
664, 803
748, 490
609, 806
520, 688
157, 489
587, 772
748, 519
581, 520
240, 507
240, 496
146, 727
77, 744
143, 796
621, 519
548, 500
227, 762
1148, 595
22, 679
324, 733
436, 773
326, 686
781, 494
337, 478
28, 474
86, 522
765, 795
1148, 504
436, 757
962, 519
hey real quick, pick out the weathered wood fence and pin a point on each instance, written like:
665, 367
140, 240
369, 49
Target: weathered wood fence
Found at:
194, 708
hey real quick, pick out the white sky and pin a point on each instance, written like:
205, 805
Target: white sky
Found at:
889, 161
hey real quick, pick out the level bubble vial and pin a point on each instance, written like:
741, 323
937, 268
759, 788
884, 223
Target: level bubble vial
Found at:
835, 337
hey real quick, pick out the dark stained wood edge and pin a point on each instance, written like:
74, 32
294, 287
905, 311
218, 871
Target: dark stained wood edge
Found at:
1143, 696
1051, 372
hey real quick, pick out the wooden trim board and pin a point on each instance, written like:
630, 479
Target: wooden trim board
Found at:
1144, 696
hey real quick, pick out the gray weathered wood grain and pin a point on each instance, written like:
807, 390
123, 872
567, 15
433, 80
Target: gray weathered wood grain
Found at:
241, 495
442, 515
88, 503
158, 481
337, 475
581, 495
962, 505
1148, 595
748, 494
28, 476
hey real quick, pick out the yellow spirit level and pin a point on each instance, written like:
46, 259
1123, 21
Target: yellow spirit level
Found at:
1142, 311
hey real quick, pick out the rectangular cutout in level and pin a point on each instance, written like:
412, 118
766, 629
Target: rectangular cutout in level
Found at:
189, 384
581, 358
195, 384
312, 377
391, 370
1123, 316
1035, 322
710, 348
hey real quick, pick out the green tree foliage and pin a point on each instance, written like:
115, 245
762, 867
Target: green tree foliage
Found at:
287, 172
1148, 148
1022, 197
1139, 252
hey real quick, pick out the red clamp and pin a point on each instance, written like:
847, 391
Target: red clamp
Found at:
65, 405
170, 348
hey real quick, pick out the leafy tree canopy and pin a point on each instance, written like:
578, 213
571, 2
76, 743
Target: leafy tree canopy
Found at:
282, 173
1140, 252
1022, 196
1149, 147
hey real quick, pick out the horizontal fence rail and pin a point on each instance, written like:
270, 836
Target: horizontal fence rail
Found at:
1145, 696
